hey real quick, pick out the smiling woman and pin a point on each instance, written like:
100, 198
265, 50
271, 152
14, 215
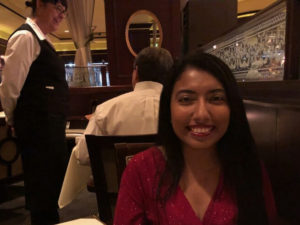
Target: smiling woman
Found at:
34, 97
206, 170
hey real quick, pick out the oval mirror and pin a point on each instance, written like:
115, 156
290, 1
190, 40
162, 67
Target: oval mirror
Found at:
143, 29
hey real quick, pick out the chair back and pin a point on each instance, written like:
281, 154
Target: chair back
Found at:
96, 145
125, 152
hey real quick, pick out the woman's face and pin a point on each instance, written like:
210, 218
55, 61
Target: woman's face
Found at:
199, 110
49, 16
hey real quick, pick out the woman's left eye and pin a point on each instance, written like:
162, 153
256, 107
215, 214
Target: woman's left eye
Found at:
217, 99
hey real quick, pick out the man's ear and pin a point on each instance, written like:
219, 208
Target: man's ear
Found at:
135, 76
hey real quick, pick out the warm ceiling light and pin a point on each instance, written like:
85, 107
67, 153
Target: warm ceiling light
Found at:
246, 15
67, 31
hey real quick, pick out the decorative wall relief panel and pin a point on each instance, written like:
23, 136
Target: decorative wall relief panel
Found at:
256, 52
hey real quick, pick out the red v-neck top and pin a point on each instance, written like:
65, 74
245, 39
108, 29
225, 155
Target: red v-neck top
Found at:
137, 203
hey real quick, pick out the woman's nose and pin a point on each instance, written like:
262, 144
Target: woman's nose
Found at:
201, 111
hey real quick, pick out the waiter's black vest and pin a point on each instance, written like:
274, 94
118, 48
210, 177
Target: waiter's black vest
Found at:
45, 89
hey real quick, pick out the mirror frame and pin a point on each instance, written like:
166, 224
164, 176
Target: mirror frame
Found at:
128, 24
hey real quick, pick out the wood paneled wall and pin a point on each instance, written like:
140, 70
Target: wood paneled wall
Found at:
206, 20
117, 13
275, 128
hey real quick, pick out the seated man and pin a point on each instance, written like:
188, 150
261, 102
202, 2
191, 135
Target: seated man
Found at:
135, 112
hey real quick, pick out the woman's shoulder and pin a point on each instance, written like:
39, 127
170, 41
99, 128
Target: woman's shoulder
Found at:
144, 168
152, 156
149, 162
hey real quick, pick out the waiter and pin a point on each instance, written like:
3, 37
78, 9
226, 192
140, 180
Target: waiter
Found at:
34, 97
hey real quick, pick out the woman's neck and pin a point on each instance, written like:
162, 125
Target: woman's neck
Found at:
41, 25
201, 164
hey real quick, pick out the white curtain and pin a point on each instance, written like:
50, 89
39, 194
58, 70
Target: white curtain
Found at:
80, 18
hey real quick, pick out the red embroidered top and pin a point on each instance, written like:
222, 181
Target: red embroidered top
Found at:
137, 204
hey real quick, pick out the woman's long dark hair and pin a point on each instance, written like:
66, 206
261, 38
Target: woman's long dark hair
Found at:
236, 149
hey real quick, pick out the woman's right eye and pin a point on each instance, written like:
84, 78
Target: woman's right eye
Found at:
185, 100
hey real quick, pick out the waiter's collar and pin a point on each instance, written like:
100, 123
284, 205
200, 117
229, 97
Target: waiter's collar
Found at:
37, 30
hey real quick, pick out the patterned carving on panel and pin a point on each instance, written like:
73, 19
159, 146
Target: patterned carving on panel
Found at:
257, 54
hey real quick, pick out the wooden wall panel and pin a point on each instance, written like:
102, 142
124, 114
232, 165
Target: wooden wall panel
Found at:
288, 136
206, 20
118, 12
283, 92
276, 129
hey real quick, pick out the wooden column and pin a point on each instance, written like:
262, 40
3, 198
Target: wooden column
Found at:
292, 51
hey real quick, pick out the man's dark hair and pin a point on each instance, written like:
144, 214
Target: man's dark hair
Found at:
32, 4
153, 64
236, 149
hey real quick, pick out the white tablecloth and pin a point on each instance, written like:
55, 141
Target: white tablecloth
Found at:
75, 181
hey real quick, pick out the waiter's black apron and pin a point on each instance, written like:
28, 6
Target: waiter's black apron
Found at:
39, 121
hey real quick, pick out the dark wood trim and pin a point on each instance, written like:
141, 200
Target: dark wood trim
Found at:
95, 90
281, 92
93, 52
292, 48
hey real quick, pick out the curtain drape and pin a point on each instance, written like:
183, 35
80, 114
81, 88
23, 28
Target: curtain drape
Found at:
80, 18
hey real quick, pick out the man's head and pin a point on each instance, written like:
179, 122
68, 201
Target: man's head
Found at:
152, 64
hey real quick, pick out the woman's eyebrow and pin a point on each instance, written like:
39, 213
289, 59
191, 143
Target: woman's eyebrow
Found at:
185, 91
188, 91
217, 90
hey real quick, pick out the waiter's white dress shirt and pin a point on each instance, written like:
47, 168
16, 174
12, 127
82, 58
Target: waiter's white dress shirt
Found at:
21, 51
132, 113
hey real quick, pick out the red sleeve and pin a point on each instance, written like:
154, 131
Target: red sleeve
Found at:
269, 198
130, 204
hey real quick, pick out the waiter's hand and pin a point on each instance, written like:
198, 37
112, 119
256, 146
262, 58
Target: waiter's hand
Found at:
88, 116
